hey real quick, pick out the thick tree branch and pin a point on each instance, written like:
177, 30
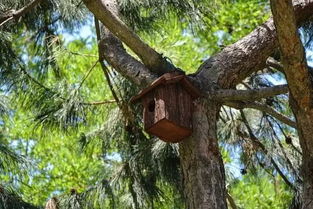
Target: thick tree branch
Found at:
294, 61
16, 14
115, 54
249, 95
112, 50
102, 9
264, 108
248, 55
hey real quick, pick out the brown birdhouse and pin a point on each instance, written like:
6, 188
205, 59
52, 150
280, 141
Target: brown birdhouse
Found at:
168, 105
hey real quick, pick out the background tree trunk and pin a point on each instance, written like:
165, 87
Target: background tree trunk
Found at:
202, 165
305, 123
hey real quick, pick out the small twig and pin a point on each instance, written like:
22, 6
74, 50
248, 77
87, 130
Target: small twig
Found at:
262, 166
45, 27
88, 73
246, 85
282, 149
56, 93
226, 113
285, 135
80, 54
123, 106
6, 20
103, 67
34, 80
99, 103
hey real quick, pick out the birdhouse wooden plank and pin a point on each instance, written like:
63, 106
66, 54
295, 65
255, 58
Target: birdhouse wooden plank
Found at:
168, 106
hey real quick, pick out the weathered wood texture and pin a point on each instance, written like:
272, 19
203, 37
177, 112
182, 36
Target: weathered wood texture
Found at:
168, 107
167, 112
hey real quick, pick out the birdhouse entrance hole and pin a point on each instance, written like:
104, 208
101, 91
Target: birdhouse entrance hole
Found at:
168, 106
151, 106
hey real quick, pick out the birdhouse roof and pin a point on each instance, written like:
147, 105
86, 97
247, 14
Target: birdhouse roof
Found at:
169, 78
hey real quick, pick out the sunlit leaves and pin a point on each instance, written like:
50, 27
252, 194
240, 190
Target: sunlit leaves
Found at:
260, 192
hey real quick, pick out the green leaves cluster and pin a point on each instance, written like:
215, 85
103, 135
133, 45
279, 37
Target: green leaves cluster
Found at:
260, 191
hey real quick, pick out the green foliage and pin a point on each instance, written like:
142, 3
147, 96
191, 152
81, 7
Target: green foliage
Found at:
260, 192
176, 42
42, 111
234, 19
145, 14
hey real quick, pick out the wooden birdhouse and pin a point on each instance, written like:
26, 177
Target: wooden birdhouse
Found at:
168, 106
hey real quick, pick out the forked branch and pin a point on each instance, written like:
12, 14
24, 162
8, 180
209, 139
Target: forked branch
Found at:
102, 9
112, 50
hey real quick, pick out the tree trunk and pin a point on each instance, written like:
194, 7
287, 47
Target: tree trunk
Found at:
300, 88
202, 165
305, 132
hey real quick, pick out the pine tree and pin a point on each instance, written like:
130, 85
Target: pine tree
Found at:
231, 78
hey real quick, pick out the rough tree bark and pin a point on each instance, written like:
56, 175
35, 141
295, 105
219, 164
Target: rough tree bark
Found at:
305, 123
201, 161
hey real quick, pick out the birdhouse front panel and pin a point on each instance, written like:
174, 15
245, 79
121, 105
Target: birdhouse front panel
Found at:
154, 109
168, 106
167, 112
